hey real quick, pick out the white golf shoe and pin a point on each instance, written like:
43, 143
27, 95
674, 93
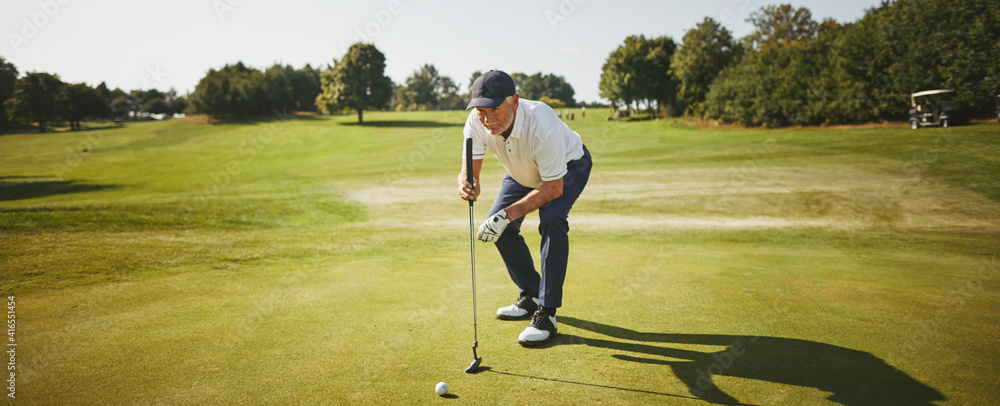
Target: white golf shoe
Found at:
540, 331
521, 310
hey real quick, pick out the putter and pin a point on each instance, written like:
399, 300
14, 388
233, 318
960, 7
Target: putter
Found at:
472, 248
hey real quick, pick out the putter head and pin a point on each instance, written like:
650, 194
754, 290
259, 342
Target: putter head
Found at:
475, 364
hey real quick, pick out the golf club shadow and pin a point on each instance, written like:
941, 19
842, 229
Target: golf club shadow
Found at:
480, 369
854, 378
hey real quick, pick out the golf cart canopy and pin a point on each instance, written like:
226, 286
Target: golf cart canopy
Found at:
928, 93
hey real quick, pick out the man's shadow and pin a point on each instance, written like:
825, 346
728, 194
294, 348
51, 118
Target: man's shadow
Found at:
854, 378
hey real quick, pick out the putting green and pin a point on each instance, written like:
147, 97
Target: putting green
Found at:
311, 260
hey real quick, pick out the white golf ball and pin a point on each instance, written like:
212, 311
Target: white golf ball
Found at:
441, 388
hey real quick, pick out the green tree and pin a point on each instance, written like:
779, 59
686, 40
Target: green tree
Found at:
156, 106
8, 77
798, 71
518, 78
151, 101
660, 88
782, 80
36, 98
305, 87
175, 104
356, 82
448, 96
536, 86
122, 104
277, 88
421, 89
705, 51
942, 44
619, 81
81, 101
639, 70
427, 89
780, 26
105, 92
235, 91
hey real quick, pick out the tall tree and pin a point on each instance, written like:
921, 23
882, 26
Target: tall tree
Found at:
660, 84
36, 98
8, 77
706, 49
639, 70
618, 78
781, 80
780, 26
356, 82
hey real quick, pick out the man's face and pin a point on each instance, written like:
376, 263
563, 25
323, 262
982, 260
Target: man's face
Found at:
497, 120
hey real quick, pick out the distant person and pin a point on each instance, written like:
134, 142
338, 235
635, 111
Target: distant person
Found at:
547, 168
583, 112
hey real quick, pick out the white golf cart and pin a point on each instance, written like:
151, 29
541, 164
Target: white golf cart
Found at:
935, 108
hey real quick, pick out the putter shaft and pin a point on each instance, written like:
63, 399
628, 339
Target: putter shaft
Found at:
472, 250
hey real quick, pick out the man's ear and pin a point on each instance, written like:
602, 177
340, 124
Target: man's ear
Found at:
512, 100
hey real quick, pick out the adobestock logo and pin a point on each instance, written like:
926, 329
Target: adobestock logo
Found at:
40, 19
565, 9
225, 7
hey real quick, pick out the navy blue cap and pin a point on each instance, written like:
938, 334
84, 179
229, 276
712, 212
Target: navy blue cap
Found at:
490, 89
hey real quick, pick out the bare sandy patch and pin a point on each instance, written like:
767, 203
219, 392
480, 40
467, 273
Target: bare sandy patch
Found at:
620, 222
831, 197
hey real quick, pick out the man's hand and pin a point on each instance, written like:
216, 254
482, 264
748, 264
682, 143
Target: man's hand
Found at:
467, 191
492, 228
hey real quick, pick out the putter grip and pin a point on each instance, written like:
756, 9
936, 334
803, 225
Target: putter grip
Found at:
468, 164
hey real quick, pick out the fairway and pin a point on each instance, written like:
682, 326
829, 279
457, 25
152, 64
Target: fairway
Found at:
313, 260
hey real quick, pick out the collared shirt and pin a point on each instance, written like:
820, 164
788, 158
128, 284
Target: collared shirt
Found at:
538, 148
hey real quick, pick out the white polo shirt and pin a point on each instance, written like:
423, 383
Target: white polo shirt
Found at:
538, 148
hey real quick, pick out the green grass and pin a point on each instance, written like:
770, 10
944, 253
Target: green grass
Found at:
316, 261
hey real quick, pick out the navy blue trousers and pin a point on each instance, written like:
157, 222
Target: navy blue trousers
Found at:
554, 229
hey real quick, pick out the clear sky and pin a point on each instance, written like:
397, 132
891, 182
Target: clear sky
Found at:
144, 44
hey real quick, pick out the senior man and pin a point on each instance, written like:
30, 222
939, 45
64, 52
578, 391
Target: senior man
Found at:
547, 168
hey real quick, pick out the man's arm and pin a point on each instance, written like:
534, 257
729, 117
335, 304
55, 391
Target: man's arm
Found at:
465, 190
549, 191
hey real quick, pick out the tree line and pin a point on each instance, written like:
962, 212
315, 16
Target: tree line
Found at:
238, 91
357, 82
793, 70
43, 98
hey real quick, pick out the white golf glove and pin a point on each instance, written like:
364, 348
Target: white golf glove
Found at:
492, 228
